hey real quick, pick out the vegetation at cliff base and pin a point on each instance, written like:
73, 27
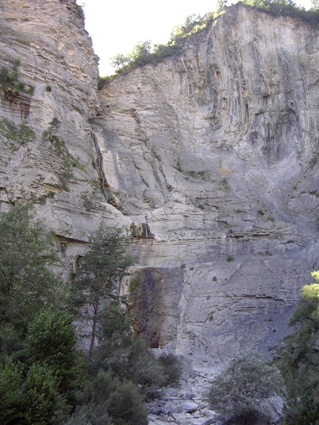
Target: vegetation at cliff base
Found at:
238, 392
299, 360
27, 284
45, 379
100, 272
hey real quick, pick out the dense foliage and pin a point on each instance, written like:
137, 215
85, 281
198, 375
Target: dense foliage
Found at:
300, 360
241, 388
286, 8
44, 378
27, 284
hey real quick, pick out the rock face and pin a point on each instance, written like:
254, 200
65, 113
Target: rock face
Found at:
216, 146
53, 166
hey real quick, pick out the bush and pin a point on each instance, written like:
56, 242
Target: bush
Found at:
42, 400
244, 385
126, 406
90, 414
251, 417
11, 80
27, 285
107, 398
10, 392
52, 342
33, 399
124, 353
299, 361
172, 368
285, 8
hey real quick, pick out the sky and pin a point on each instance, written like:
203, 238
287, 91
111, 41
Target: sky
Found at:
117, 26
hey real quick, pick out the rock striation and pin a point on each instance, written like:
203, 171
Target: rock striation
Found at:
218, 147
210, 158
54, 166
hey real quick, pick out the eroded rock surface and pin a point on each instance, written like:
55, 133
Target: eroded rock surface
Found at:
218, 147
215, 148
57, 171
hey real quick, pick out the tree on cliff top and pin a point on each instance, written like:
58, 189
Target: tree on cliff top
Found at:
101, 269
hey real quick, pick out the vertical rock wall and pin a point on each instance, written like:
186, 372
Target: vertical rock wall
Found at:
214, 151
218, 148
53, 166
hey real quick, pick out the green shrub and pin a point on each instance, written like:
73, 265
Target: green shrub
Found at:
33, 399
144, 53
251, 417
107, 397
246, 382
102, 82
90, 414
124, 353
126, 406
21, 134
285, 8
42, 400
52, 342
11, 80
10, 392
172, 368
299, 361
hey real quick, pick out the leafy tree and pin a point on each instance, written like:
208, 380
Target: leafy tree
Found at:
27, 285
241, 388
125, 405
299, 359
101, 270
141, 53
52, 342
120, 60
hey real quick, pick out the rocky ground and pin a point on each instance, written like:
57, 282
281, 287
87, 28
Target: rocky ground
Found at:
186, 404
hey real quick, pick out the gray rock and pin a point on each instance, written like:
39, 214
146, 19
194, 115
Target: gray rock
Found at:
171, 407
209, 421
189, 406
214, 145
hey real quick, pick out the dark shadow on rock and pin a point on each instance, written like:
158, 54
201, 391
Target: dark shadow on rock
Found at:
252, 417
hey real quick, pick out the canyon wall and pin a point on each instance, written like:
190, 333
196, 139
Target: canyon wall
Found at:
53, 166
216, 148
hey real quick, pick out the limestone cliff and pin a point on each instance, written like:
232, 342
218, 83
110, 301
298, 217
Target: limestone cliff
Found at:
55, 166
217, 146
